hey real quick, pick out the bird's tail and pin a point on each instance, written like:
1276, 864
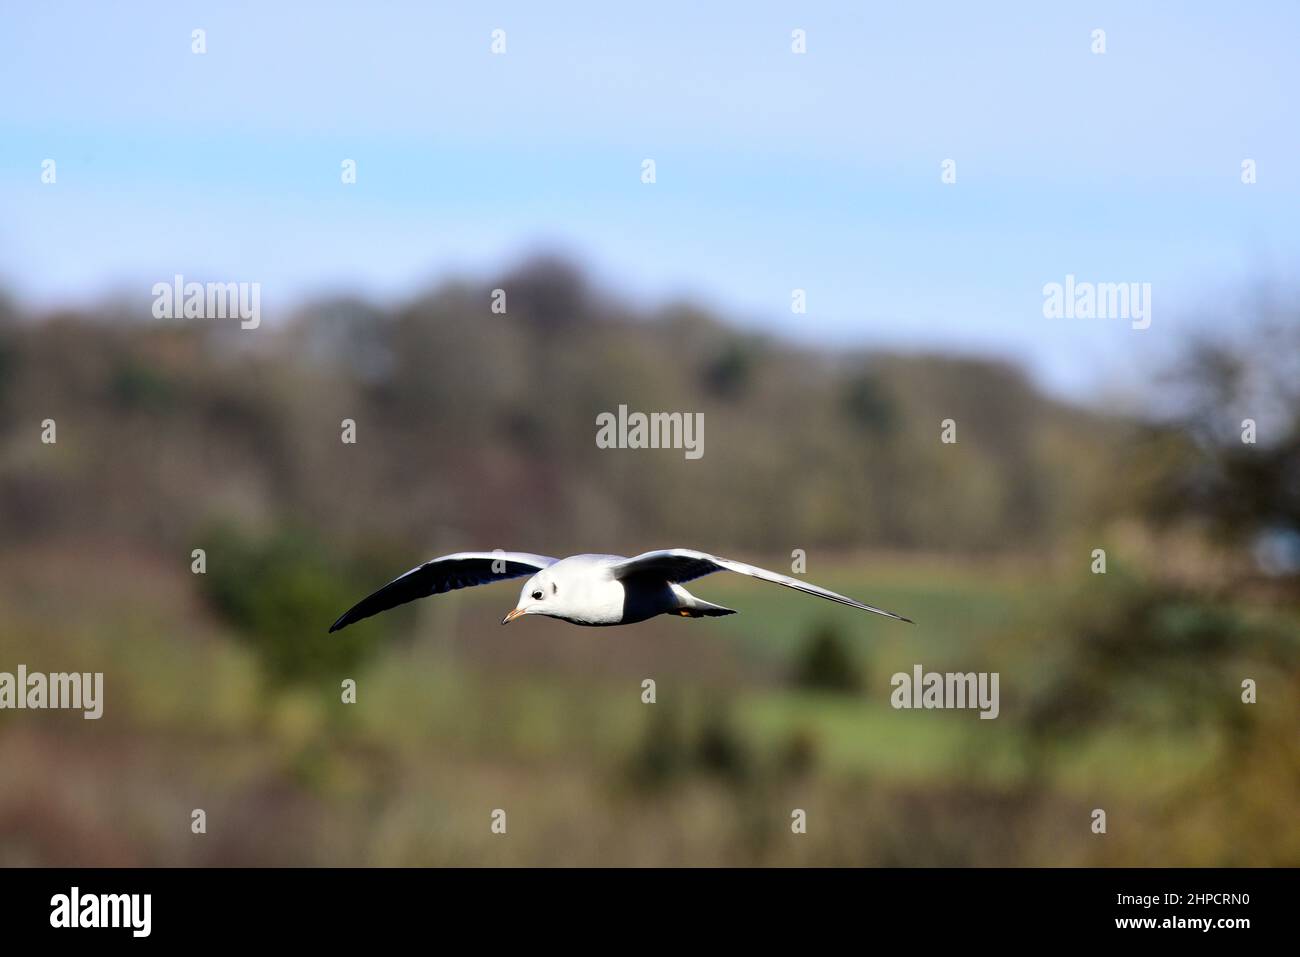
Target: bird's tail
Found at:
691, 607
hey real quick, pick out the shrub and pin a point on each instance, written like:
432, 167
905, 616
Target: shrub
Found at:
826, 664
280, 594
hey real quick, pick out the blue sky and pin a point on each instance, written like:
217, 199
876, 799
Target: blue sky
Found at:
775, 171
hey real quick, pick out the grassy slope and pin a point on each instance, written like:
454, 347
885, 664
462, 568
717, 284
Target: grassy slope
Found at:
442, 726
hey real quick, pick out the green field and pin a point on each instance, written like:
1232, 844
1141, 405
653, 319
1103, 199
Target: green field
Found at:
457, 716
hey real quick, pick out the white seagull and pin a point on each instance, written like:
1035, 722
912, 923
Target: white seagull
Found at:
583, 589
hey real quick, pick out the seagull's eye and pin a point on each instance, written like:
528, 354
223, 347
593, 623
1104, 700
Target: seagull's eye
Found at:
537, 595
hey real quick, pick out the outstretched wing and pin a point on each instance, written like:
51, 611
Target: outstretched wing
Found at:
448, 573
684, 564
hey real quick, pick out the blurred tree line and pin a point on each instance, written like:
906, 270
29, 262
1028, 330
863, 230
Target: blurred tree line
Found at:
479, 429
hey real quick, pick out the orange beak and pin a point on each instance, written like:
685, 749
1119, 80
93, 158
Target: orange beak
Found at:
514, 613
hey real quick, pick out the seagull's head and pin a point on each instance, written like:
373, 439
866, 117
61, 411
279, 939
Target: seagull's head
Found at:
537, 597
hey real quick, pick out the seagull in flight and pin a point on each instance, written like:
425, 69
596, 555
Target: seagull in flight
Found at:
583, 589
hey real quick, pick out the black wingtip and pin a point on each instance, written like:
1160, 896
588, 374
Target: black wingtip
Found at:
900, 618
339, 625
